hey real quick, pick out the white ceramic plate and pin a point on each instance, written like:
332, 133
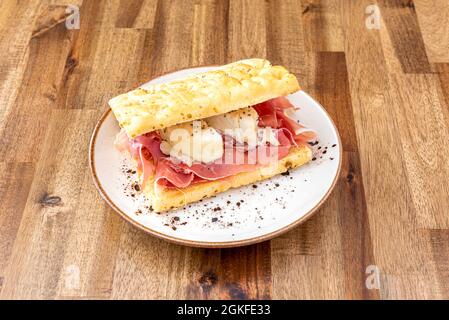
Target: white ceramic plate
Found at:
237, 217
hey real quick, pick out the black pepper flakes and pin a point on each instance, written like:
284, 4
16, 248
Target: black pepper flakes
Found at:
286, 173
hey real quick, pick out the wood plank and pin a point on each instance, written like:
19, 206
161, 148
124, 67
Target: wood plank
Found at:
172, 42
357, 242
209, 45
246, 272
442, 70
392, 219
433, 17
439, 238
87, 87
138, 14
90, 248
128, 12
206, 279
13, 49
65, 2
29, 113
423, 138
148, 268
242, 273
15, 182
322, 25
205, 45
284, 37
409, 287
400, 19
331, 262
247, 37
75, 83
331, 89
342, 225
53, 205
285, 42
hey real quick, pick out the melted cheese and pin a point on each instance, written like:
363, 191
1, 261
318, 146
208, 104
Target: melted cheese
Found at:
242, 125
192, 142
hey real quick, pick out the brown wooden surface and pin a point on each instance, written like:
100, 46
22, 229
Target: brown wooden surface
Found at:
387, 90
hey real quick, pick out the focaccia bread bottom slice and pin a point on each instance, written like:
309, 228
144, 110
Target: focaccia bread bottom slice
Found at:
163, 199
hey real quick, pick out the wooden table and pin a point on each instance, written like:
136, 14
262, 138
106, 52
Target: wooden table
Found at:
387, 90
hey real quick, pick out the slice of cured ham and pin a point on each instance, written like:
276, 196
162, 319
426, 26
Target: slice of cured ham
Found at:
145, 149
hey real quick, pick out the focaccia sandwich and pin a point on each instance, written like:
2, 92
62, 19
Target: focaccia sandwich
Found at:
195, 137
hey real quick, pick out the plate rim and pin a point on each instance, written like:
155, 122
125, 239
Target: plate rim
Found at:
196, 243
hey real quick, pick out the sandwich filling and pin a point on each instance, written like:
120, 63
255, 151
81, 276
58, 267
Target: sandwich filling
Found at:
216, 147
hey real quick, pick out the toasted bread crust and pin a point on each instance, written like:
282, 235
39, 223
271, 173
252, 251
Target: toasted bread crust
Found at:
231, 87
163, 199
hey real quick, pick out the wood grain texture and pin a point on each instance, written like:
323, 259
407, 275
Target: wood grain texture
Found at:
433, 17
443, 75
322, 25
15, 184
387, 91
139, 14
402, 25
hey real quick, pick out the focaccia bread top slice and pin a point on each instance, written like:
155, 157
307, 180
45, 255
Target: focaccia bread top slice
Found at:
231, 87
